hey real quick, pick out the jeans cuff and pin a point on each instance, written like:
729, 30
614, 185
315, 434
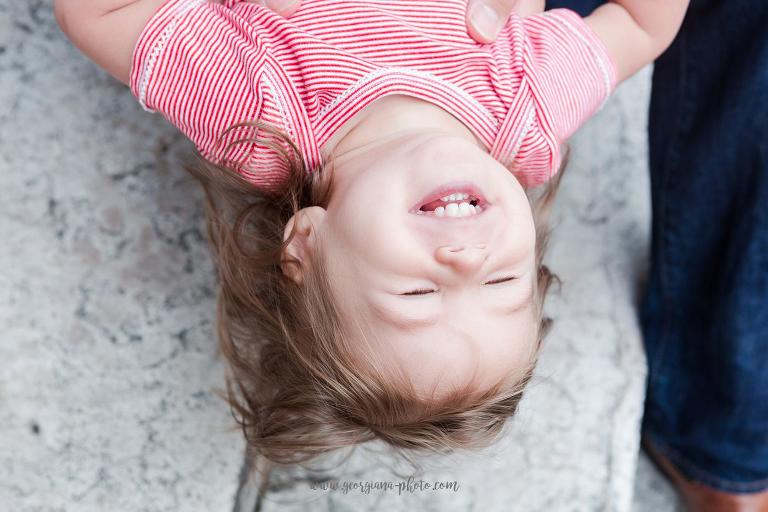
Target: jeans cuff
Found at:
701, 475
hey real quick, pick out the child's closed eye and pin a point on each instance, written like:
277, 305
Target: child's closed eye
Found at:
426, 291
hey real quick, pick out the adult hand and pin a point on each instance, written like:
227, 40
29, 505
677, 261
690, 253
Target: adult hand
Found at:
484, 17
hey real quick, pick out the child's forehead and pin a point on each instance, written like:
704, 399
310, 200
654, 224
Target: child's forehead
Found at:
449, 364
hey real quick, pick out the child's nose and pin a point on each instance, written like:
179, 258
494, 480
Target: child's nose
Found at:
464, 258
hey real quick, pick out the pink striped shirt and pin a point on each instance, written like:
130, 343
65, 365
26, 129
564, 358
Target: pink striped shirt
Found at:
206, 66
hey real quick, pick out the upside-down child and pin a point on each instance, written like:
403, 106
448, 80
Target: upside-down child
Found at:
367, 167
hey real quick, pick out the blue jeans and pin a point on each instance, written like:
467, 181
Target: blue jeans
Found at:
704, 313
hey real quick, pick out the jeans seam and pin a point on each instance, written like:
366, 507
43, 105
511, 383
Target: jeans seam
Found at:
669, 160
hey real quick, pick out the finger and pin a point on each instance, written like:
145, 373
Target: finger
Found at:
282, 7
486, 17
528, 7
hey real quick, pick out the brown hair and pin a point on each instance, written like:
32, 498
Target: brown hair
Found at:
292, 383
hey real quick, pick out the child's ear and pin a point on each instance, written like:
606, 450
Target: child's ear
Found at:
302, 246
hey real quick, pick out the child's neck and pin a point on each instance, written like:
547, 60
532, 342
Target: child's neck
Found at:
390, 117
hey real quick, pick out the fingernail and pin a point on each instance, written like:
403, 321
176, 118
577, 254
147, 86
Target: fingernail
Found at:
486, 21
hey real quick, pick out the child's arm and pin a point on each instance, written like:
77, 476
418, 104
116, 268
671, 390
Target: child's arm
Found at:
106, 30
571, 64
635, 32
204, 65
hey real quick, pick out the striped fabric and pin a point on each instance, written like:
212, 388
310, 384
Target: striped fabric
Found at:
206, 66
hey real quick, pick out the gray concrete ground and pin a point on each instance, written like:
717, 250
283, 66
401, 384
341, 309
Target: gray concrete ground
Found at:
108, 359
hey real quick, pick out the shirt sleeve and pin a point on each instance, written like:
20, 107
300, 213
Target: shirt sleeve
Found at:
566, 76
569, 68
200, 65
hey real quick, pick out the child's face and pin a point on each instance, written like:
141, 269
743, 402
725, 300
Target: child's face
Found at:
377, 249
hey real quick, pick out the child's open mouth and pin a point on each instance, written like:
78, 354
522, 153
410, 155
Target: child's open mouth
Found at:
452, 205
458, 199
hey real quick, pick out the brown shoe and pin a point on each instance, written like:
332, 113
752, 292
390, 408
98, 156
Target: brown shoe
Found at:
699, 497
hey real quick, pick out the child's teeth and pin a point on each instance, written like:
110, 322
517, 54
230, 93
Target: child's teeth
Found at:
451, 210
455, 197
456, 205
